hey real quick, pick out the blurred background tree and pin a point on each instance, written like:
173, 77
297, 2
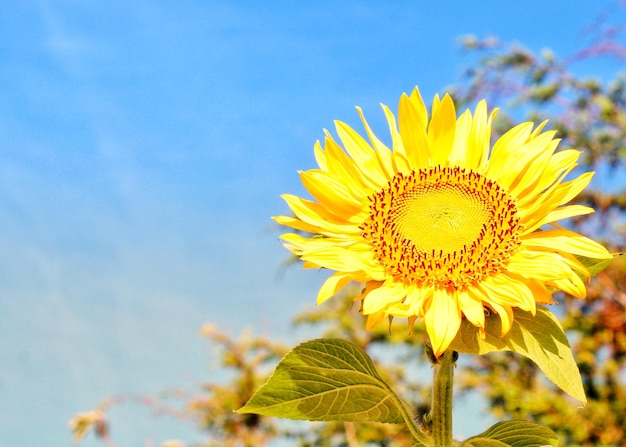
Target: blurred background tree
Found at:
589, 114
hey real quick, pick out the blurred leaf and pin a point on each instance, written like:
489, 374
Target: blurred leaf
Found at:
540, 338
327, 380
514, 434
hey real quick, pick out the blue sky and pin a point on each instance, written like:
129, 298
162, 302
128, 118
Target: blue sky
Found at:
143, 149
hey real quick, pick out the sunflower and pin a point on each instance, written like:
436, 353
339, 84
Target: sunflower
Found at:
442, 226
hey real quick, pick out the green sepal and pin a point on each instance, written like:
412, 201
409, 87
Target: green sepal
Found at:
540, 338
327, 380
514, 434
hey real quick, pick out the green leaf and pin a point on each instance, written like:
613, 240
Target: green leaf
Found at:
540, 338
595, 266
327, 380
515, 434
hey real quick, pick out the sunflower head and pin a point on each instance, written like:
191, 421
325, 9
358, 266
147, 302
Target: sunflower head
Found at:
442, 226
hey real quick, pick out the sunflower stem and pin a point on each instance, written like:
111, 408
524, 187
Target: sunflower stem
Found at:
441, 411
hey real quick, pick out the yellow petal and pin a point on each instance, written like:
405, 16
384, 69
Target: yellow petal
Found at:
332, 286
360, 151
419, 106
462, 146
320, 156
554, 171
479, 137
413, 305
441, 131
505, 149
400, 161
343, 260
525, 156
540, 291
378, 299
443, 320
532, 214
532, 174
564, 212
413, 121
382, 152
374, 319
355, 172
296, 224
333, 195
567, 241
538, 265
572, 285
316, 214
472, 308
505, 290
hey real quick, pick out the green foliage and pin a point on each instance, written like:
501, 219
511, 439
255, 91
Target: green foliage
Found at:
540, 338
327, 380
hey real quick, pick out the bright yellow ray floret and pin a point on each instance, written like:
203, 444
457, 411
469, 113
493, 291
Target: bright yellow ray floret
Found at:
442, 226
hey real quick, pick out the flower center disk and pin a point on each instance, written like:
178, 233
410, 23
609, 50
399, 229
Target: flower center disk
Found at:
444, 227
